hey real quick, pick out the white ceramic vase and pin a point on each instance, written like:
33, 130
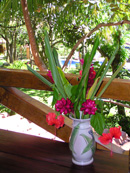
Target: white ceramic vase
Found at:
82, 142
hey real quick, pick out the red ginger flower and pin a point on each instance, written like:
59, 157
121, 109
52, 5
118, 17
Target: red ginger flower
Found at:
91, 77
82, 61
106, 138
80, 72
89, 107
50, 76
52, 120
64, 106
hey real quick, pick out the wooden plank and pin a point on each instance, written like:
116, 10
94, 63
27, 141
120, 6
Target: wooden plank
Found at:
35, 154
33, 110
119, 88
25, 79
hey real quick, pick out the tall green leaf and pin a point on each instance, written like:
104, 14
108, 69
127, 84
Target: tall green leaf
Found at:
105, 71
91, 90
81, 86
55, 54
111, 79
101, 68
67, 86
44, 80
52, 63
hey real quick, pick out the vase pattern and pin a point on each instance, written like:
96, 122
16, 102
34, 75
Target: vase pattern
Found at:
82, 142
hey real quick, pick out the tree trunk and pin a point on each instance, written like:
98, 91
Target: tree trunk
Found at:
32, 40
14, 46
11, 52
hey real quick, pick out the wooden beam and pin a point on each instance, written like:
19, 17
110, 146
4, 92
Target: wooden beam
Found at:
119, 88
33, 110
25, 79
22, 79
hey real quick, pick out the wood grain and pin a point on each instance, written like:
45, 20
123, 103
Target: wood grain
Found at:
33, 110
26, 153
119, 88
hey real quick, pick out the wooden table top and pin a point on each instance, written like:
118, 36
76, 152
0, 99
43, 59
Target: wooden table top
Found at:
26, 153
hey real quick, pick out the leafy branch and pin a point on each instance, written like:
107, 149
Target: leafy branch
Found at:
90, 33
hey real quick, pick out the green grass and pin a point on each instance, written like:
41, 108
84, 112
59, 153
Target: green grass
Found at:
40, 95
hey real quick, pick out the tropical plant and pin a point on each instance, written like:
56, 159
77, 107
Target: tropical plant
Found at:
70, 99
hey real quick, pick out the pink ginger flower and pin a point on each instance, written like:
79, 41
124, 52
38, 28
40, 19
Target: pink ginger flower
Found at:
89, 107
50, 76
80, 73
64, 106
82, 61
92, 75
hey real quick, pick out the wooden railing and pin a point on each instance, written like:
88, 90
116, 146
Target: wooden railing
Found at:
36, 111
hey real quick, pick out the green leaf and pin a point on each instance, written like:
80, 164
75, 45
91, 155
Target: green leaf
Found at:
100, 105
55, 54
73, 92
54, 70
6, 7
111, 79
98, 123
89, 143
105, 71
44, 80
67, 86
91, 90
77, 106
101, 68
86, 67
56, 96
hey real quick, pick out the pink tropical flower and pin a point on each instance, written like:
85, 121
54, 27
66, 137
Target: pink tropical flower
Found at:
82, 61
50, 76
89, 107
64, 106
80, 72
92, 75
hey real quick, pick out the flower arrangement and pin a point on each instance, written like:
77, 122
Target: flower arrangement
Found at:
78, 100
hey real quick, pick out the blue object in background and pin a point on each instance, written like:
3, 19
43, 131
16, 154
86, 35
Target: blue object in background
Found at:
71, 63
